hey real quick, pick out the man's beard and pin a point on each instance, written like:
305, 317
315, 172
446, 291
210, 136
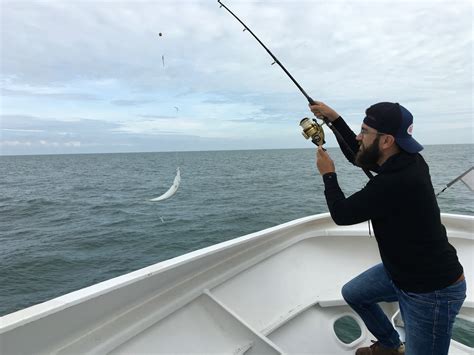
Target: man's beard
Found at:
367, 158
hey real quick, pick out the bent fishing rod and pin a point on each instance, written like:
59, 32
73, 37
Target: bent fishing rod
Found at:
310, 129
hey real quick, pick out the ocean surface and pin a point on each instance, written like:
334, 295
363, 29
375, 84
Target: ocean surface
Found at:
70, 221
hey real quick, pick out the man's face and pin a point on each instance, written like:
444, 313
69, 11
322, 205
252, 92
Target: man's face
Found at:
369, 152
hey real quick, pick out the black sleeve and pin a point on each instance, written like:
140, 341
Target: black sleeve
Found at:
359, 207
349, 136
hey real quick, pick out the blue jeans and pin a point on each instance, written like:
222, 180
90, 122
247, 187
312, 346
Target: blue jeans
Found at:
428, 317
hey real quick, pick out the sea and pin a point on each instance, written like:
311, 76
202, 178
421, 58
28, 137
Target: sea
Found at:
70, 221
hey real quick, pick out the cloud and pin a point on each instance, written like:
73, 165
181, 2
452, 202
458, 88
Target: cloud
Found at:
43, 143
49, 95
70, 125
23, 130
130, 102
250, 119
23, 134
158, 117
65, 60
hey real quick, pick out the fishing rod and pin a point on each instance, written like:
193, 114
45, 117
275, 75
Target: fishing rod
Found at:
466, 177
310, 128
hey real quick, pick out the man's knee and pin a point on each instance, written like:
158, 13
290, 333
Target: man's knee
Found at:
349, 293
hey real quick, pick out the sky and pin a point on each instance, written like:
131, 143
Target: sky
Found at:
96, 77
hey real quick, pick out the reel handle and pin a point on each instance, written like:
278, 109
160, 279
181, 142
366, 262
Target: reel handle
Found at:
317, 145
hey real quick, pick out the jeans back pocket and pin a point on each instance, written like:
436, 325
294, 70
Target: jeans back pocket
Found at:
454, 307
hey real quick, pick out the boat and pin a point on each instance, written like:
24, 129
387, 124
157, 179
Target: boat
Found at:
276, 291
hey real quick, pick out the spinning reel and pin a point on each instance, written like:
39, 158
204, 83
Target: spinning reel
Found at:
312, 129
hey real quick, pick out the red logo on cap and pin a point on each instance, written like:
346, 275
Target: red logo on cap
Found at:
410, 129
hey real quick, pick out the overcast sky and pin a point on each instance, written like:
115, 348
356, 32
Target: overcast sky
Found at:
95, 76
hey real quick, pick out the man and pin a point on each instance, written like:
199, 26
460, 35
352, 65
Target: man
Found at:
419, 268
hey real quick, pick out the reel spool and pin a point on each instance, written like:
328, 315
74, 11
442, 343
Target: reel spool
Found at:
312, 129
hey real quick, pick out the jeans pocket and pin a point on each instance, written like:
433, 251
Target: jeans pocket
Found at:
454, 307
428, 299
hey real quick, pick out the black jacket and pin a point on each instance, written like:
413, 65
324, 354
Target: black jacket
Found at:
401, 203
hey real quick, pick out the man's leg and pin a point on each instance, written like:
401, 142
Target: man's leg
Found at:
363, 293
429, 318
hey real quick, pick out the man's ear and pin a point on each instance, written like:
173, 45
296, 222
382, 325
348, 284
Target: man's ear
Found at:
387, 141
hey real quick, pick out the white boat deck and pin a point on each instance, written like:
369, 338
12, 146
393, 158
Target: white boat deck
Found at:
272, 292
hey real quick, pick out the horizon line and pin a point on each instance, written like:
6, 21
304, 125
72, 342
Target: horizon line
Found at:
195, 151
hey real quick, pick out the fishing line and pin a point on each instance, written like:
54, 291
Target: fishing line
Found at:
317, 128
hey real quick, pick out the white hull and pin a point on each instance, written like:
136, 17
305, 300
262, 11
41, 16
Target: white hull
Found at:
271, 292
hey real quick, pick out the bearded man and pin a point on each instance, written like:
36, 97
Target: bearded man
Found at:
420, 269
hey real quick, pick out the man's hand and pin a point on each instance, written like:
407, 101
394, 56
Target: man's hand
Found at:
320, 109
324, 162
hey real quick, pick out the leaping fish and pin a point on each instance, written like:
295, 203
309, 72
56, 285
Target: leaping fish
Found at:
172, 190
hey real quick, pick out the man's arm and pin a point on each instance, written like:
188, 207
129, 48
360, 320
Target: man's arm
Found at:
361, 206
320, 110
350, 138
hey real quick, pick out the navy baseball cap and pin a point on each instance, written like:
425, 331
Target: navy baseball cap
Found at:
396, 120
